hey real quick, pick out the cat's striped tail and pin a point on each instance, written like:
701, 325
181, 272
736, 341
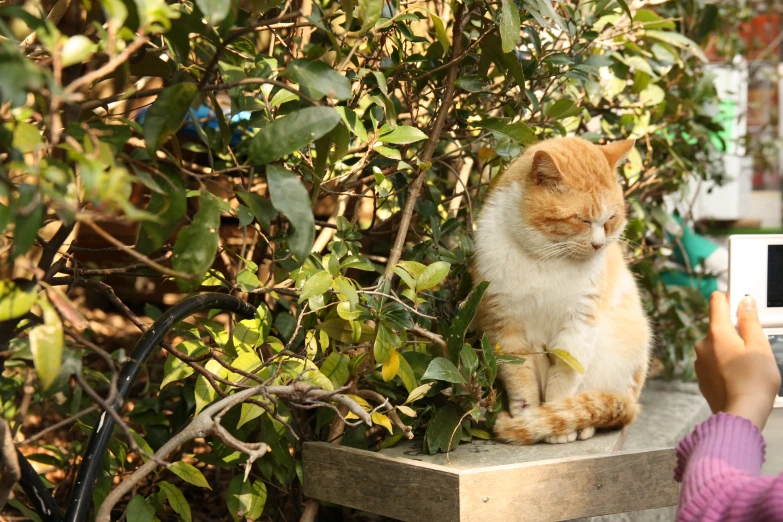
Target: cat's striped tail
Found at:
567, 417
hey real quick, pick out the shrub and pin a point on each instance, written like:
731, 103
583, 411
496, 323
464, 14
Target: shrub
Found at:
325, 165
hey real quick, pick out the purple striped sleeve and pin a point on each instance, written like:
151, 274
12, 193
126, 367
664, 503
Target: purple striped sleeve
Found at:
719, 465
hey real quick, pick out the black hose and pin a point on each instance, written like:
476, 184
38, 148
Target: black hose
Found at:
36, 491
80, 501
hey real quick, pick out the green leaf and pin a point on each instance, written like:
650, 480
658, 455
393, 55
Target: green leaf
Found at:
197, 243
490, 361
336, 368
139, 510
388, 152
176, 500
569, 359
440, 32
432, 276
678, 40
469, 359
304, 370
519, 131
291, 133
385, 342
175, 369
370, 12
348, 8
46, 345
562, 109
27, 137
405, 373
359, 263
169, 207
624, 7
465, 314
509, 26
16, 298
316, 285
471, 83
167, 113
215, 11
341, 330
246, 500
290, 197
189, 473
343, 286
247, 281
261, 208
400, 135
353, 122
444, 427
27, 222
317, 79
441, 369
77, 49
344, 311
204, 392
29, 513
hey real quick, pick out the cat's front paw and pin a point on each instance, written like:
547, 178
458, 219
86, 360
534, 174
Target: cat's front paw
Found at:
586, 433
561, 439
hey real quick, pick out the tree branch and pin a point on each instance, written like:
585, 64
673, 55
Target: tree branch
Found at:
434, 138
109, 67
204, 424
144, 259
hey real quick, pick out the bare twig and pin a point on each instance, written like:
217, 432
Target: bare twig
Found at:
109, 67
434, 137
204, 424
9, 464
388, 409
432, 337
57, 426
144, 259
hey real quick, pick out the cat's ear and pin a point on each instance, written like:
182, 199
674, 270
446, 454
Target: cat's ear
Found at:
617, 151
545, 170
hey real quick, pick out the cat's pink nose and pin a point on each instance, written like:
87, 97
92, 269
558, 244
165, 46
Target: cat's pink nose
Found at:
597, 246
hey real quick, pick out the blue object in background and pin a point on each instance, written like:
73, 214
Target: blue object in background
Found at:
208, 118
699, 251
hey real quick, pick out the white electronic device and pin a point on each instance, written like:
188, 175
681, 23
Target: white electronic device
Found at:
756, 269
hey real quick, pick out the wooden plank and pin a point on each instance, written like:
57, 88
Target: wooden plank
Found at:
569, 488
404, 490
483, 453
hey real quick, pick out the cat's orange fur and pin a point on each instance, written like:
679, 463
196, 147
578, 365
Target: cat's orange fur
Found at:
548, 242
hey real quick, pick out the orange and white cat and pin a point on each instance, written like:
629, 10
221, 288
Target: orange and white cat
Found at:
548, 243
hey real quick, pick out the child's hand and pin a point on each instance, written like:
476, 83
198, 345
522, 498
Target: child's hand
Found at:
737, 374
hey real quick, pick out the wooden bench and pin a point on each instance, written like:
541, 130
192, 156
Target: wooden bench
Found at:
490, 481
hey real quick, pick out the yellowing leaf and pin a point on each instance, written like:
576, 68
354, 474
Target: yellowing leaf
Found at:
46, 344
361, 402
204, 391
419, 392
569, 359
406, 410
190, 474
480, 434
391, 366
382, 420
16, 299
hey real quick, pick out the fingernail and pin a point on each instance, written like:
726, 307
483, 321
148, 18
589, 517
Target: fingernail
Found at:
748, 303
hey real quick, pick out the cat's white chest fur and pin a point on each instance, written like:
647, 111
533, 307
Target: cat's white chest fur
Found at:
540, 293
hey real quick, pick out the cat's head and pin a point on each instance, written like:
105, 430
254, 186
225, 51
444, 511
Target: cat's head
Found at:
572, 204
